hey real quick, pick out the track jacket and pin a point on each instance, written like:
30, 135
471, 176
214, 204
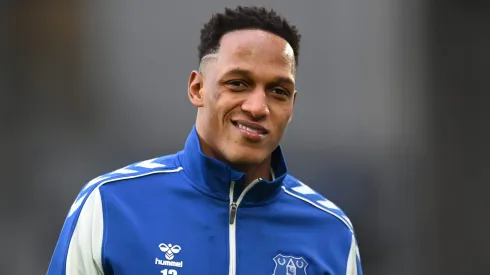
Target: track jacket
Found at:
187, 213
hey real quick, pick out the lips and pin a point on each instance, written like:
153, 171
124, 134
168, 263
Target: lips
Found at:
251, 127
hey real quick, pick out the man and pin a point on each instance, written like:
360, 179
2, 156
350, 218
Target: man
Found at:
225, 204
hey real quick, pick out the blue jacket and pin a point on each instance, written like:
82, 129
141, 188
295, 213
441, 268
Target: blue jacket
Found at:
189, 214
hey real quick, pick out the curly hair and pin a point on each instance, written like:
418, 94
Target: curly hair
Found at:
246, 17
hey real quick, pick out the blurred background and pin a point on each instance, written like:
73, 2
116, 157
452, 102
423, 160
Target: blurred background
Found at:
391, 121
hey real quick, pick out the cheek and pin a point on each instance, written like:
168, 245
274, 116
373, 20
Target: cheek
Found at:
211, 101
219, 106
210, 95
214, 91
227, 103
281, 116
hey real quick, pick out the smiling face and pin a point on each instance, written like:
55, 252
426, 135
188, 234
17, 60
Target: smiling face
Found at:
245, 96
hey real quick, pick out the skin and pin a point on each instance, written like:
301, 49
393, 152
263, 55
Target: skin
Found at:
251, 80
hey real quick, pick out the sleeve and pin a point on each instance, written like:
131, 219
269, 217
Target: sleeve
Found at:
79, 247
354, 261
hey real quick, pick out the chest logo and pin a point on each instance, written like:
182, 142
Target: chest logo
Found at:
289, 265
170, 252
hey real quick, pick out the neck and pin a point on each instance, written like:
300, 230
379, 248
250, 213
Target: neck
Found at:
252, 171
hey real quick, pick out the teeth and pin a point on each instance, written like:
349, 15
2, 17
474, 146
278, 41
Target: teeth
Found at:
248, 129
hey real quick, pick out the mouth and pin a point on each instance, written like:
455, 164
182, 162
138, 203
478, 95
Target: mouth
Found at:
250, 129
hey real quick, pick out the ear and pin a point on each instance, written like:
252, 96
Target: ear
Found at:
195, 87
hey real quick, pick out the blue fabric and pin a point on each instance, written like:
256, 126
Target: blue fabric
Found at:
175, 219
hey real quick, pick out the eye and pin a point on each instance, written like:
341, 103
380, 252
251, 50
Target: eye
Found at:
280, 91
234, 84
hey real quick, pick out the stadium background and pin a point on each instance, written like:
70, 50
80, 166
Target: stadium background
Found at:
391, 121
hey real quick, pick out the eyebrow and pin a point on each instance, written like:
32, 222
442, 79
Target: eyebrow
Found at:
249, 74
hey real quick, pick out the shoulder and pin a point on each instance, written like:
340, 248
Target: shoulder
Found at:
161, 165
310, 198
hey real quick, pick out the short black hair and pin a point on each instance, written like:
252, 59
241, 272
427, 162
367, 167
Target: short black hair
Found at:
242, 18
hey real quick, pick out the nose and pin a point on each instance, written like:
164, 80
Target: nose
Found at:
256, 104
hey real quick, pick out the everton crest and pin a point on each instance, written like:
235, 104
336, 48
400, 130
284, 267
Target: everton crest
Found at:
289, 265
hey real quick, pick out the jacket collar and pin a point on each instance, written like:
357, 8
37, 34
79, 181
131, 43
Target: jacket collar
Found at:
214, 177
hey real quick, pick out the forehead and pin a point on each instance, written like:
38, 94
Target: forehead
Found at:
255, 50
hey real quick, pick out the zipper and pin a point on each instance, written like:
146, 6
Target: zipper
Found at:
232, 224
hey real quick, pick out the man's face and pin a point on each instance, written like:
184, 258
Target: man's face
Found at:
245, 97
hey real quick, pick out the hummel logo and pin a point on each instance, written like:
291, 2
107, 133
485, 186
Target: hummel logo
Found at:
170, 252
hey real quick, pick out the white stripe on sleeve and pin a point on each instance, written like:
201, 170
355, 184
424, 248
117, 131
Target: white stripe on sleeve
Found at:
85, 250
352, 259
